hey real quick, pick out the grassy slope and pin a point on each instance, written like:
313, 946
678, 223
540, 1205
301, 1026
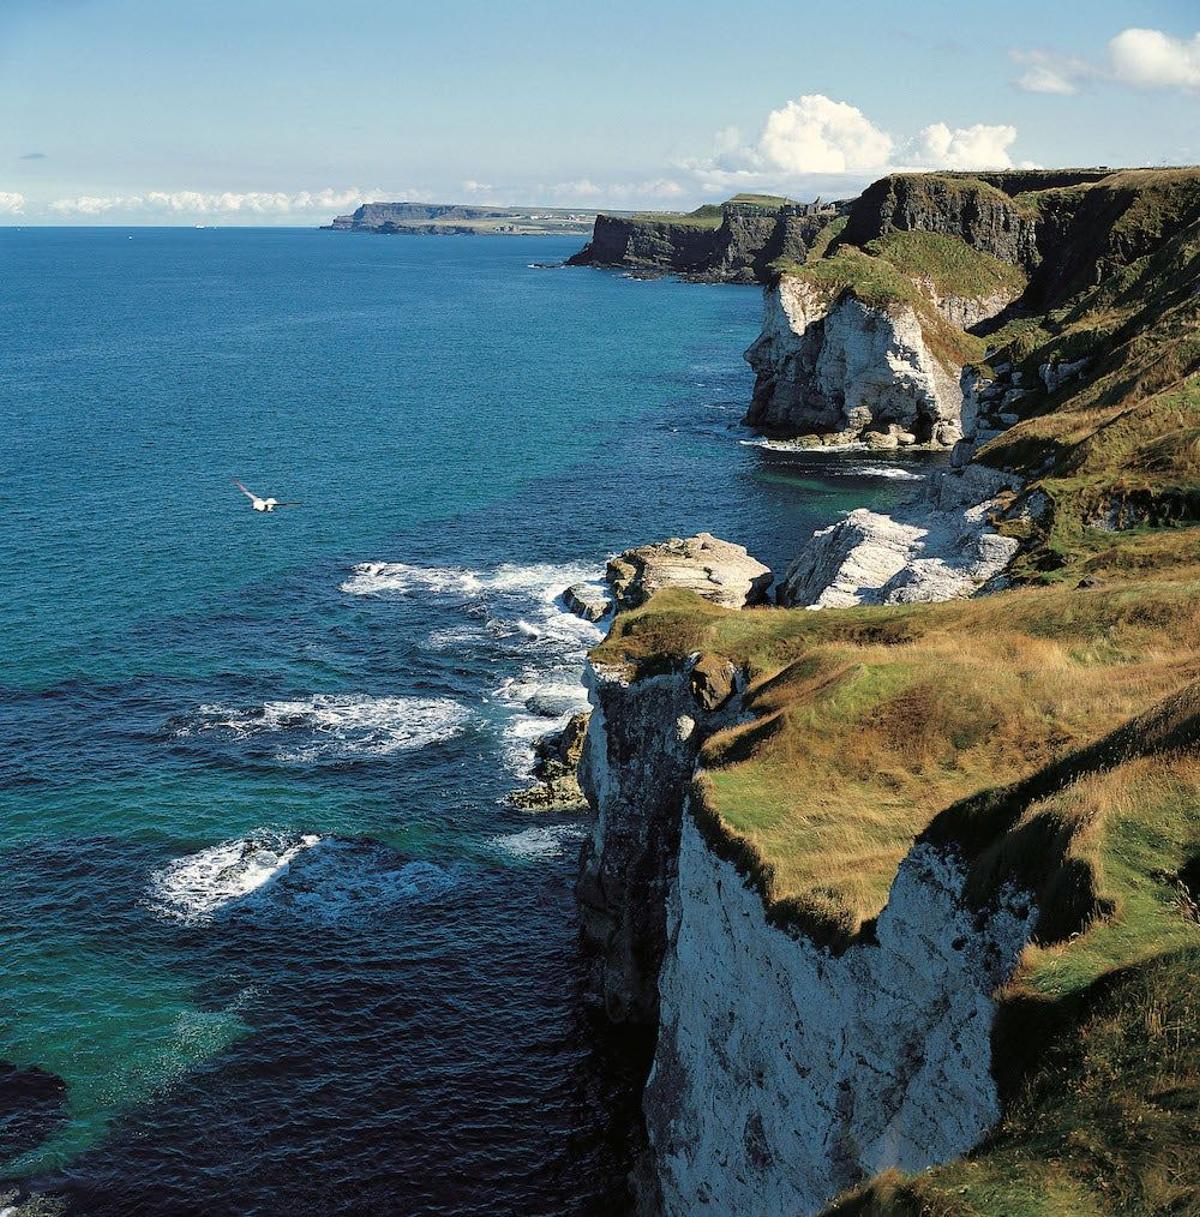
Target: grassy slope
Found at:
987, 722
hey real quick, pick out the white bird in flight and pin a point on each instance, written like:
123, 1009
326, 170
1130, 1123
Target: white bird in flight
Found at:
261, 504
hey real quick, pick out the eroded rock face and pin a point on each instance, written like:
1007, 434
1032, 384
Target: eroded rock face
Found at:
940, 547
637, 762
556, 770
717, 570
784, 1074
848, 370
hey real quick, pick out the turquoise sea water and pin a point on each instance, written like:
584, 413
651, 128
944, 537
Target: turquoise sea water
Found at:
273, 942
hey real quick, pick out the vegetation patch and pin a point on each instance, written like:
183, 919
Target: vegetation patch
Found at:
949, 264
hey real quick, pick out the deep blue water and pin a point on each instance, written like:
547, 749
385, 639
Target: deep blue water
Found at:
272, 940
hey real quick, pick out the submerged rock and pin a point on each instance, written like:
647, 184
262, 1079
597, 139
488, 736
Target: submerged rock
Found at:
717, 570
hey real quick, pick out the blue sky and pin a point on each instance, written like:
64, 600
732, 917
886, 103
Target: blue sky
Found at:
286, 111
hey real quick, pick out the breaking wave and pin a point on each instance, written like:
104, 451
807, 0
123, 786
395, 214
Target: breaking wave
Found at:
544, 841
328, 726
291, 875
521, 605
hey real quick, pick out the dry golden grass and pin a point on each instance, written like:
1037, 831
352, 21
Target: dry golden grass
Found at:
868, 722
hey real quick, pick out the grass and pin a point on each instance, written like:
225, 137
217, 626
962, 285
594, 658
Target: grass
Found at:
950, 265
774, 201
868, 721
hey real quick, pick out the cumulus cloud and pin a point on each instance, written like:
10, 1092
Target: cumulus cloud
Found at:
11, 203
219, 203
1150, 59
976, 147
1140, 58
817, 143
818, 135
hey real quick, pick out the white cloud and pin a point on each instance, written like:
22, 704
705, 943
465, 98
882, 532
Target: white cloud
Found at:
471, 186
1143, 59
818, 135
818, 144
976, 147
218, 203
1150, 59
1051, 72
11, 203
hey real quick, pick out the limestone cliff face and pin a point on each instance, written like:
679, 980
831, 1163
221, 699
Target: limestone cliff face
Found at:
848, 371
637, 761
784, 1074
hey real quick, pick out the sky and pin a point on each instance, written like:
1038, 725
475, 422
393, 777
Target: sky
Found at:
291, 111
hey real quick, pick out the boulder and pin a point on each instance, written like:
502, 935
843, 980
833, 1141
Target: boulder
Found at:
588, 600
555, 769
717, 570
713, 681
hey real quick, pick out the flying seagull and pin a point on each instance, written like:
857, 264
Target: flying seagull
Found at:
261, 504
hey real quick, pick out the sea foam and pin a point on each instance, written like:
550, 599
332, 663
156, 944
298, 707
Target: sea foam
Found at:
328, 726
272, 875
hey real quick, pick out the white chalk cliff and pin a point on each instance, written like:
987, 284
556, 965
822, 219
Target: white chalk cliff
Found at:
836, 367
785, 1074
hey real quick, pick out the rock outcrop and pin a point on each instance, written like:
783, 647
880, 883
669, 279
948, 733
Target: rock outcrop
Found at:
738, 249
784, 1074
717, 570
836, 367
638, 758
556, 770
939, 547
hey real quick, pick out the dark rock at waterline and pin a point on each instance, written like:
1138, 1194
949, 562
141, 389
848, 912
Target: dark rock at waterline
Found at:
33, 1105
556, 768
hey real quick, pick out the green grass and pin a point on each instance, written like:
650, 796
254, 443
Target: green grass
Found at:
869, 721
952, 266
762, 200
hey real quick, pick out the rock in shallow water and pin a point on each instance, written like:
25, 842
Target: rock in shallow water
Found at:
717, 570
555, 768
587, 600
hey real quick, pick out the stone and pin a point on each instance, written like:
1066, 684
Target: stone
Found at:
937, 548
717, 570
840, 367
713, 681
556, 769
588, 600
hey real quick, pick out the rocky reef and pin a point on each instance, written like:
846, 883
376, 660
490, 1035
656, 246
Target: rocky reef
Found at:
717, 570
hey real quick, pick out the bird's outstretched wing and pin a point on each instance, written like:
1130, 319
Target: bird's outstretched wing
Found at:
248, 493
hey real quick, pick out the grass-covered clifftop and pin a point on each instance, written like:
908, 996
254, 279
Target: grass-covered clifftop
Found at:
1049, 732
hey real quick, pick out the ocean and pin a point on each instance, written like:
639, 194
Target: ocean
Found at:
272, 941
